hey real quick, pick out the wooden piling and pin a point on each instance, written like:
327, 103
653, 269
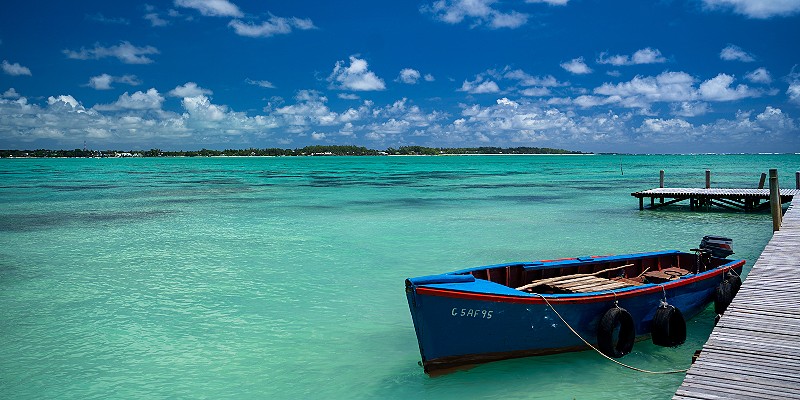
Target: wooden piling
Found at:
797, 180
775, 200
708, 179
661, 179
763, 180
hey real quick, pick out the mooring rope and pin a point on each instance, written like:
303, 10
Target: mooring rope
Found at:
679, 371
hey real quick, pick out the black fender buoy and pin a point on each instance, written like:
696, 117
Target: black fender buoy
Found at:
736, 283
616, 333
669, 327
723, 296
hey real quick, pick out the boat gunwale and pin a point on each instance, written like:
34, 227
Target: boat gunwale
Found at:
577, 298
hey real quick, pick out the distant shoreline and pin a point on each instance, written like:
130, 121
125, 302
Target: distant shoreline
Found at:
310, 151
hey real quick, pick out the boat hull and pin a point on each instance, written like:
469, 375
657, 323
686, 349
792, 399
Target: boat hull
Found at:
469, 322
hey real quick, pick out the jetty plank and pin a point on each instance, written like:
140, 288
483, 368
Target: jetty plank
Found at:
754, 351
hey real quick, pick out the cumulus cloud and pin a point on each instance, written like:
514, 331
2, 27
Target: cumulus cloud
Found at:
794, 92
671, 87
719, 89
735, 53
273, 26
477, 12
15, 69
409, 76
743, 129
576, 66
759, 9
212, 8
479, 86
149, 100
104, 81
11, 93
643, 56
760, 75
125, 52
690, 108
356, 76
189, 89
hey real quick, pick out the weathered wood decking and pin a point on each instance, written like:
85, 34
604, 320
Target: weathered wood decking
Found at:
733, 199
754, 351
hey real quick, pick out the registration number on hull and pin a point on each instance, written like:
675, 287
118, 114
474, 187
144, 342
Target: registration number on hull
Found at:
471, 313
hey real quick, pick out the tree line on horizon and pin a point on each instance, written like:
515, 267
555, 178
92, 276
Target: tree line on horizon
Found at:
317, 150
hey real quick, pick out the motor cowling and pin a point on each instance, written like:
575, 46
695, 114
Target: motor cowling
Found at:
719, 246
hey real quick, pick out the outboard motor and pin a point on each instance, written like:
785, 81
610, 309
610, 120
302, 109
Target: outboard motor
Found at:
720, 247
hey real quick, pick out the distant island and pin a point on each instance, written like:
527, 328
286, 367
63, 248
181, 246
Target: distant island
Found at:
276, 152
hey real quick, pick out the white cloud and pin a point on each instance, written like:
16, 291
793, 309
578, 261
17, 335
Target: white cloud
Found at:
742, 130
409, 76
65, 101
150, 100
261, 83
125, 52
735, 53
760, 9
667, 86
189, 89
104, 81
155, 20
356, 76
760, 75
212, 8
690, 109
506, 102
526, 79
15, 69
643, 56
794, 92
429, 78
11, 93
479, 86
273, 26
348, 96
478, 12
576, 66
671, 87
719, 89
536, 92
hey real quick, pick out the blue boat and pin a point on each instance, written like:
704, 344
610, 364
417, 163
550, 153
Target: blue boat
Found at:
503, 311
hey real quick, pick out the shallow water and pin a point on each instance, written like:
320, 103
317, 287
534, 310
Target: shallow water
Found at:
283, 277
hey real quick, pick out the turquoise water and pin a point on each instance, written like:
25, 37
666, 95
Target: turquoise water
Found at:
283, 277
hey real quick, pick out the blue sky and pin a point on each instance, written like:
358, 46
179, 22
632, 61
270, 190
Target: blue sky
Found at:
602, 76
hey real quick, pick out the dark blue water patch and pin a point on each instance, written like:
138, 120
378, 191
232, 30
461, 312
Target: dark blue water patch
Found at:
528, 199
78, 187
45, 221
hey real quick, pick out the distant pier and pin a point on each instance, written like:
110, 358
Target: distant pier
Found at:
734, 199
754, 351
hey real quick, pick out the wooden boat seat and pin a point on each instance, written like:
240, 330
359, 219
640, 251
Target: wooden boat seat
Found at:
586, 284
665, 275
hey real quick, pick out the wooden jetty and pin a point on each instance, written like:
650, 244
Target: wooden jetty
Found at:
754, 351
731, 199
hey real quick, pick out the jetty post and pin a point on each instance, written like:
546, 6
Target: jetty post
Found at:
708, 179
763, 180
797, 180
775, 200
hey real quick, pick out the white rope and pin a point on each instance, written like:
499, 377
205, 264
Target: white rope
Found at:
679, 371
